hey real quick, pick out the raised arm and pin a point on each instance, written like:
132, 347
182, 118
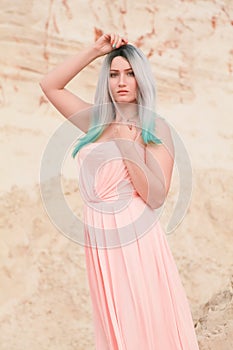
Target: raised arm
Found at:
53, 84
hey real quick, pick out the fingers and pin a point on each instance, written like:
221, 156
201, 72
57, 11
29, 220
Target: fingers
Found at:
116, 40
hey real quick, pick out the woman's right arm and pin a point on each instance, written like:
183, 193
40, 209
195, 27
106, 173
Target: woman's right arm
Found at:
53, 84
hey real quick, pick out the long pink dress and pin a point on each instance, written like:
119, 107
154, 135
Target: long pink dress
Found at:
139, 302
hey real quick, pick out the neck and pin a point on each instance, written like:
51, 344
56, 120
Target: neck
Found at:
126, 111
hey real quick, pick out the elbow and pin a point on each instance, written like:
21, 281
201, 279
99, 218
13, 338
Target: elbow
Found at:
47, 88
155, 195
46, 84
156, 203
157, 199
42, 84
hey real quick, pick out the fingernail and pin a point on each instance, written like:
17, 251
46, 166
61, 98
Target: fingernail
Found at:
113, 46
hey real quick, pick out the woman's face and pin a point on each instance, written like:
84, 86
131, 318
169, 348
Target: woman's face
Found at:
122, 82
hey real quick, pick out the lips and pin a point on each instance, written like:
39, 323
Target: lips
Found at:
122, 91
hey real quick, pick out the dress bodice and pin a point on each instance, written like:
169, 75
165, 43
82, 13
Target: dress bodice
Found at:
103, 175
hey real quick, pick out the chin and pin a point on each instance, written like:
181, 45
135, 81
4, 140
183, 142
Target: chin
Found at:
125, 100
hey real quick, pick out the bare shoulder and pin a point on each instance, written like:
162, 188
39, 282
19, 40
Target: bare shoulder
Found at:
160, 157
163, 133
162, 129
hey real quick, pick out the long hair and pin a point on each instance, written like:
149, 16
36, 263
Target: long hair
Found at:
104, 109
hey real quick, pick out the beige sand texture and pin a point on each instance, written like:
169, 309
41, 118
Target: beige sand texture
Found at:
44, 296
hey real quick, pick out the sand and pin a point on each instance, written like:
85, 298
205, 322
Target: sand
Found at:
44, 296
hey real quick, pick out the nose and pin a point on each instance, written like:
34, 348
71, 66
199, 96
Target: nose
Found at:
122, 80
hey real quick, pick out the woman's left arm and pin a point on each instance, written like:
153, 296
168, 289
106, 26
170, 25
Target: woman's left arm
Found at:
152, 177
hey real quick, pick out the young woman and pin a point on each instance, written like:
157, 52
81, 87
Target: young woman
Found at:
125, 160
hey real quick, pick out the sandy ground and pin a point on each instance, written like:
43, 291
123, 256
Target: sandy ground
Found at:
44, 296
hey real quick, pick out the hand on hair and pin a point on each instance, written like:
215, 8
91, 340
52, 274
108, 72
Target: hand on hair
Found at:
108, 42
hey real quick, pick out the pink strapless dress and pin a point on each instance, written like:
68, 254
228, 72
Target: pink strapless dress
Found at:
139, 302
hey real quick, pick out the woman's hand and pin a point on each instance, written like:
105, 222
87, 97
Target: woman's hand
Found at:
108, 42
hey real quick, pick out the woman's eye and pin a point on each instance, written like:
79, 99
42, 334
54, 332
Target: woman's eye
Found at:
131, 74
112, 75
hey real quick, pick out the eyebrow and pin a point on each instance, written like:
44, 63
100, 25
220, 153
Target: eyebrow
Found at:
117, 70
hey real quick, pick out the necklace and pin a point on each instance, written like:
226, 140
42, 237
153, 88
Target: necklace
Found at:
116, 125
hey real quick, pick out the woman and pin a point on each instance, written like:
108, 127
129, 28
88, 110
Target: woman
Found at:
125, 164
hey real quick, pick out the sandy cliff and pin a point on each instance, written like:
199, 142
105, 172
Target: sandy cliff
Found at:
44, 298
